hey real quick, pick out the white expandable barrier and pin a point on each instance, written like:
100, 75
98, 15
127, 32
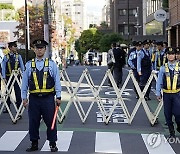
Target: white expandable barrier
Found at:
152, 116
74, 98
7, 92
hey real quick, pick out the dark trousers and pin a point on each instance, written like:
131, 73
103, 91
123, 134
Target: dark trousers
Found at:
136, 75
17, 93
41, 107
117, 74
171, 107
143, 80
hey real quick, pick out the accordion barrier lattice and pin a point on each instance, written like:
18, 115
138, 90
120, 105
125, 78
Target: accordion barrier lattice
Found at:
152, 116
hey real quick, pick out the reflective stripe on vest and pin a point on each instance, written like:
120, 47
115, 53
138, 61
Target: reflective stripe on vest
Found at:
43, 90
9, 65
173, 88
159, 60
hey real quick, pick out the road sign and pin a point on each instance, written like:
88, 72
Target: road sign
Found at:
160, 15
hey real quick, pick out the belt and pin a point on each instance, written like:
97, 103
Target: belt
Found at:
42, 94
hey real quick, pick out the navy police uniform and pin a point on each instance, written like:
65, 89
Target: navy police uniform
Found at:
169, 81
41, 78
12, 61
132, 62
144, 66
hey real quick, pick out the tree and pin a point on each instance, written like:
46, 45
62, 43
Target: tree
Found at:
107, 40
103, 25
89, 39
36, 24
6, 6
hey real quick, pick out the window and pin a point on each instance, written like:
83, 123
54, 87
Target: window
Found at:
122, 12
132, 12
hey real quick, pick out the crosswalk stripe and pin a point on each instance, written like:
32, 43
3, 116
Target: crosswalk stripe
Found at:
63, 142
11, 139
107, 142
157, 144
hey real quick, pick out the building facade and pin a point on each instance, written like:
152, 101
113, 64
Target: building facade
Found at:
126, 17
174, 23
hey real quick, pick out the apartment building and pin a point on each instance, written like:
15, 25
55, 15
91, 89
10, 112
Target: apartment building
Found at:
174, 23
126, 17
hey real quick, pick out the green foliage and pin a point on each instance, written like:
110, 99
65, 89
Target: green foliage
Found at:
107, 40
104, 25
6, 6
89, 39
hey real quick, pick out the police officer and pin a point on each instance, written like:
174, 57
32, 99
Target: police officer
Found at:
132, 62
153, 51
144, 67
169, 82
41, 78
160, 57
12, 61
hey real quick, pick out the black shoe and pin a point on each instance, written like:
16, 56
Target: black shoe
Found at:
33, 147
171, 132
5, 111
53, 147
147, 98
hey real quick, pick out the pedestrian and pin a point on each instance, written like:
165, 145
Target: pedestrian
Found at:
132, 62
111, 61
41, 78
169, 81
12, 61
119, 56
144, 67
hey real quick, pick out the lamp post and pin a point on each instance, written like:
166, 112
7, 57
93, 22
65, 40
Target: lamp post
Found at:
26, 32
137, 26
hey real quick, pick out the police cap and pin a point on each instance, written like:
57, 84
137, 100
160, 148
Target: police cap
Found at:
159, 43
39, 43
171, 50
146, 42
139, 43
178, 50
14, 43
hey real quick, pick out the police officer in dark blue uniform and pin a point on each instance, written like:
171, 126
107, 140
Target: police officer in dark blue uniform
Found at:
12, 61
144, 67
160, 57
132, 62
169, 82
41, 78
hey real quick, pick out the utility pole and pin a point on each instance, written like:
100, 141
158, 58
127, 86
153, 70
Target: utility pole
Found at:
128, 23
46, 25
26, 33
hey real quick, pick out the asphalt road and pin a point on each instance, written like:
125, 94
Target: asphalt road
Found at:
94, 136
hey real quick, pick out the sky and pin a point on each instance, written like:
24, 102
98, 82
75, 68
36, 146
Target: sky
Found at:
94, 5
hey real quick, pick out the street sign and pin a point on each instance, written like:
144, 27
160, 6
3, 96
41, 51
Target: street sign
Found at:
160, 15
